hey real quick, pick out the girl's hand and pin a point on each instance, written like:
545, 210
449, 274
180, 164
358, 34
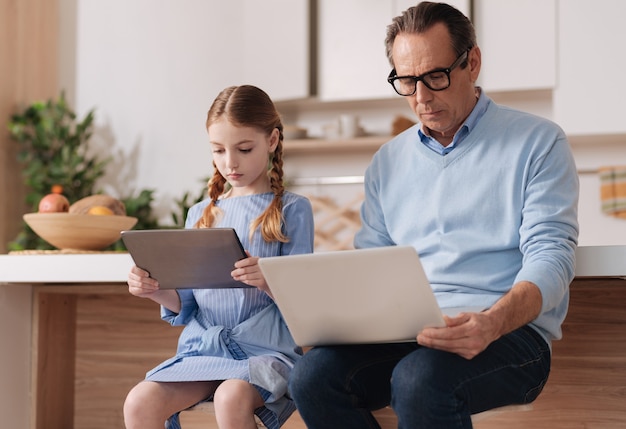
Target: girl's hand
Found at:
247, 271
141, 284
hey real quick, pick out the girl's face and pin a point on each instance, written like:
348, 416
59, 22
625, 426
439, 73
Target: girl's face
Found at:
241, 155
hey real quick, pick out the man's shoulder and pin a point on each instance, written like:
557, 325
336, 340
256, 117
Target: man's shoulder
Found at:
512, 114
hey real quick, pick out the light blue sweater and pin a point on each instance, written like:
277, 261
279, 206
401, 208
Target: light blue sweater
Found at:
500, 208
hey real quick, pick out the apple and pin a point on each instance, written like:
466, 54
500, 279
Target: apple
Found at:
54, 203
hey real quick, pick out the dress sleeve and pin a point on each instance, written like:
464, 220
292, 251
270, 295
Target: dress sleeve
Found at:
298, 226
188, 308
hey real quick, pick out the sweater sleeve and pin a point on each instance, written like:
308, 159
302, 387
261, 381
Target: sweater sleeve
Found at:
549, 229
373, 231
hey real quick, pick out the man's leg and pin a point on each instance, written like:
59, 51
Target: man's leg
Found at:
336, 387
439, 390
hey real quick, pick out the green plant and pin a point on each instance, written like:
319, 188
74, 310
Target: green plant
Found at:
53, 148
184, 204
139, 206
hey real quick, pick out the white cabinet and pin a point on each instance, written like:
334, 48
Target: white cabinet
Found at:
351, 47
590, 96
400, 6
518, 42
275, 53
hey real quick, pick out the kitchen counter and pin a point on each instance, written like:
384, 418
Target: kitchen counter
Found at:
79, 339
55, 267
50, 268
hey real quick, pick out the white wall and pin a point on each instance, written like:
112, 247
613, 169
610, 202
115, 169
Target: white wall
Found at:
152, 68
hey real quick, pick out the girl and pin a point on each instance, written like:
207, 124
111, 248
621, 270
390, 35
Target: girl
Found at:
235, 348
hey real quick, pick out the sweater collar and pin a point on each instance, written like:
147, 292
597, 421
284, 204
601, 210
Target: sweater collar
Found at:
470, 123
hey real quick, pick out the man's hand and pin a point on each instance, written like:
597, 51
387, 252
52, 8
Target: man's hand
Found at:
467, 335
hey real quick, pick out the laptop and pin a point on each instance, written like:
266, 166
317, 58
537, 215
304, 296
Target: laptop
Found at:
374, 295
187, 258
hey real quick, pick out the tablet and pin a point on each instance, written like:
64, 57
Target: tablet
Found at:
187, 258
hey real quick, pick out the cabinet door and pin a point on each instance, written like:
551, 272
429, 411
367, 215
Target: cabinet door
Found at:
402, 5
351, 49
518, 44
590, 96
275, 49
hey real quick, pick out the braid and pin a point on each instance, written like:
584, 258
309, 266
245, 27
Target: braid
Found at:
271, 220
211, 211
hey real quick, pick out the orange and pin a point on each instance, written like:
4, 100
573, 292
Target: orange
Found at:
100, 210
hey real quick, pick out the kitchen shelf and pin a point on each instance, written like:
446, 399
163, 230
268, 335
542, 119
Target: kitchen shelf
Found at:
372, 143
357, 144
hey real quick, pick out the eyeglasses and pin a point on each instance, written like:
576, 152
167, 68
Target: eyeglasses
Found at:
435, 80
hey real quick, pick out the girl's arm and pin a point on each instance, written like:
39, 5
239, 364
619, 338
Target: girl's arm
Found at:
298, 215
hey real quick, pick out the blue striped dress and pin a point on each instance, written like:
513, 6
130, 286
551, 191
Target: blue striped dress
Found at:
239, 333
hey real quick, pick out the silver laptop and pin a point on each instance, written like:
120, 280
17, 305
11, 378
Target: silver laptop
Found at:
375, 295
187, 258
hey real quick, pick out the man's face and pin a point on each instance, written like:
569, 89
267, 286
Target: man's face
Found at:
442, 112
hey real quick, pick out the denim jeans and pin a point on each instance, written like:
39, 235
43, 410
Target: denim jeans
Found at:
338, 386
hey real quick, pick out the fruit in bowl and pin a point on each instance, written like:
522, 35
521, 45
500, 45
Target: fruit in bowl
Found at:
95, 203
91, 223
54, 203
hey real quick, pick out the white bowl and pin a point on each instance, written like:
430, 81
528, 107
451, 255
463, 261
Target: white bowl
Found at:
79, 231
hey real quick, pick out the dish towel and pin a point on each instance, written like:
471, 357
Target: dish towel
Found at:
613, 190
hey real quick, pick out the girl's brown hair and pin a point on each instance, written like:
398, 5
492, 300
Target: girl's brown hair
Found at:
249, 106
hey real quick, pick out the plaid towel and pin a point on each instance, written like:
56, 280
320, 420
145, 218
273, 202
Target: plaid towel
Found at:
613, 190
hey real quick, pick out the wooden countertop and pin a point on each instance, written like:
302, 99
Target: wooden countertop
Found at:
113, 267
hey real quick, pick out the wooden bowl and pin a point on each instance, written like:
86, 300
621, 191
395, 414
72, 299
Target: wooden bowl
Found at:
79, 231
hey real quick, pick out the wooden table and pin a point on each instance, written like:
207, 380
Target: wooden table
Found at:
91, 341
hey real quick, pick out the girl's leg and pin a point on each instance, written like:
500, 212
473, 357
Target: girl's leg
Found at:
149, 404
235, 402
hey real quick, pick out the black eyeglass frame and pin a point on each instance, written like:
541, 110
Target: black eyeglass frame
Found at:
393, 77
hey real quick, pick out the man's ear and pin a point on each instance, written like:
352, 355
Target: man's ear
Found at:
474, 62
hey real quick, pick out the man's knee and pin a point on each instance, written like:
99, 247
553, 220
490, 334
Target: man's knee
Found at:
420, 376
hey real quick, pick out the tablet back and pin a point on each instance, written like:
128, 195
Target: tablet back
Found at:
187, 258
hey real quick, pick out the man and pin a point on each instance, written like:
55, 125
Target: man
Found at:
488, 197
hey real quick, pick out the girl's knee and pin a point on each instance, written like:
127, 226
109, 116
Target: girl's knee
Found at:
237, 394
135, 408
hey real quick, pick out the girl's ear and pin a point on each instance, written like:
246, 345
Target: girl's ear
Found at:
274, 138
